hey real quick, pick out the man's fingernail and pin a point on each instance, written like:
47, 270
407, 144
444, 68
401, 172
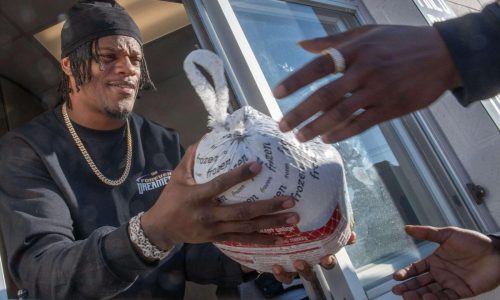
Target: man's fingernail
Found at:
292, 220
328, 140
301, 267
279, 91
255, 167
288, 203
300, 136
276, 270
301, 43
326, 261
284, 127
279, 241
397, 289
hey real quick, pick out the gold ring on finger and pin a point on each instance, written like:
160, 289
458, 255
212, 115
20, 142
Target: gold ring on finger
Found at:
337, 58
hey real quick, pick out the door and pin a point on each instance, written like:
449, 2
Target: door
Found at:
393, 175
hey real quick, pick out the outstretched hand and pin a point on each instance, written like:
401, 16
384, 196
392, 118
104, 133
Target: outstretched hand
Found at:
390, 71
465, 264
187, 212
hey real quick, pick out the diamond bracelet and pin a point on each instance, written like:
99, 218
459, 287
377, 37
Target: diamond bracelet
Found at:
142, 242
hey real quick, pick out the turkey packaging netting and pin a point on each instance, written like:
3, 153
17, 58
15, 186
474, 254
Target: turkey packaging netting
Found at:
311, 172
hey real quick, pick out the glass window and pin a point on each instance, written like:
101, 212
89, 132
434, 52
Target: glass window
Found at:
385, 187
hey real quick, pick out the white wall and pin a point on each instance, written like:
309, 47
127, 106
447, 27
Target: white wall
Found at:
472, 133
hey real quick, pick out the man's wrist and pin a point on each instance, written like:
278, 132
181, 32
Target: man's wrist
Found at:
157, 237
454, 78
143, 246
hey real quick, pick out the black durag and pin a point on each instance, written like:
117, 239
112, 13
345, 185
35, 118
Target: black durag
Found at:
90, 20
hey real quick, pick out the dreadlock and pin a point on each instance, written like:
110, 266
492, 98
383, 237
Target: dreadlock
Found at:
80, 64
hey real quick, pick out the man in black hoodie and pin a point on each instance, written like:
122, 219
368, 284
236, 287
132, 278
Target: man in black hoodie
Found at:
96, 201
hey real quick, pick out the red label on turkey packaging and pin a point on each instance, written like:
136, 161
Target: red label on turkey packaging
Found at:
309, 246
292, 234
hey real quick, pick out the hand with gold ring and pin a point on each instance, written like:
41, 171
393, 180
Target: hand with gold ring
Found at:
337, 59
388, 71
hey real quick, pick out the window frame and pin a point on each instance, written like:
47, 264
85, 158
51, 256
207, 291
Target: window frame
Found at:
3, 284
492, 107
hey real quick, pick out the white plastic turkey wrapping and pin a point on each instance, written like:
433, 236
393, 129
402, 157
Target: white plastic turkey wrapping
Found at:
311, 172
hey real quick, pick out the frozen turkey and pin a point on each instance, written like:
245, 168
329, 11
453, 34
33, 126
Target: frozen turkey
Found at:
311, 172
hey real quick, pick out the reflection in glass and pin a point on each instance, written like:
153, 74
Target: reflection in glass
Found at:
383, 198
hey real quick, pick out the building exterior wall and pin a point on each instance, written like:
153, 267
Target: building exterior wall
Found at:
475, 138
462, 7
471, 132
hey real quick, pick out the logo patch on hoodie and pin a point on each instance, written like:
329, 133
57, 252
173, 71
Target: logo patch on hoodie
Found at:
153, 180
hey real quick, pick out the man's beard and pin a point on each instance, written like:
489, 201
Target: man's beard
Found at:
121, 112
119, 115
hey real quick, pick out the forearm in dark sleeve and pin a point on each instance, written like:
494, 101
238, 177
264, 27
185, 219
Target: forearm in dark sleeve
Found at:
55, 268
43, 256
474, 44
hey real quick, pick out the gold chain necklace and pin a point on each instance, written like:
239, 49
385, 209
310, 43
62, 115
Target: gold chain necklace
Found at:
89, 160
